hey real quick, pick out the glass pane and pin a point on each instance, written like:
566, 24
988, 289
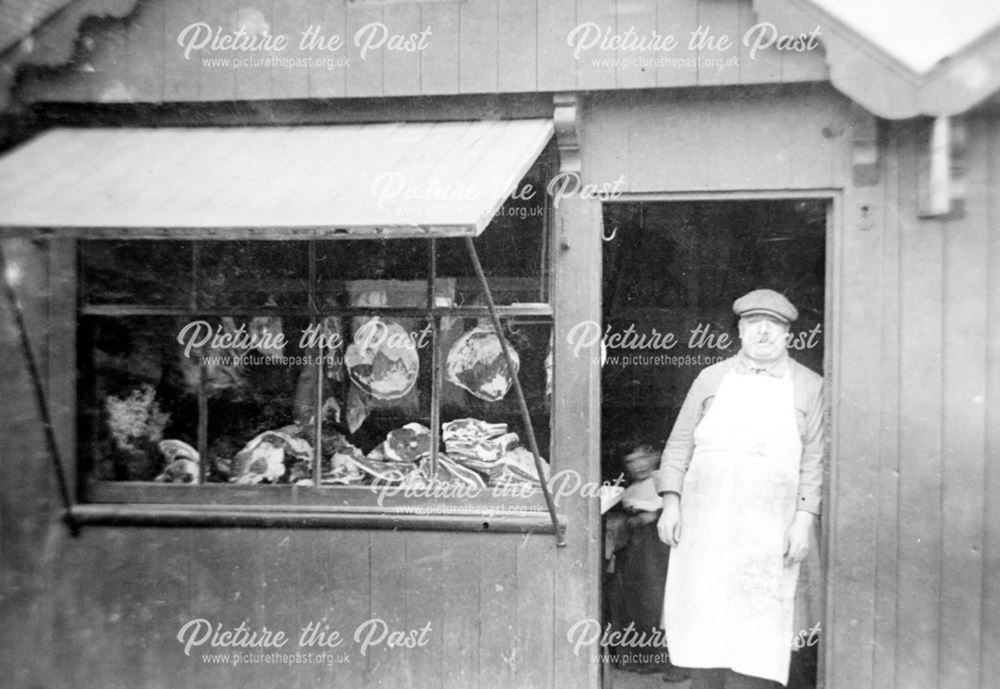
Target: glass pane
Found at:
136, 272
253, 274
256, 387
482, 426
138, 393
512, 251
372, 273
376, 404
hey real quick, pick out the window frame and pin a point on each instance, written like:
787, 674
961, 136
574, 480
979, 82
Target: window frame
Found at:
148, 503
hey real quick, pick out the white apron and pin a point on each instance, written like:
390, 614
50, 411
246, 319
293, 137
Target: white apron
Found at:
730, 597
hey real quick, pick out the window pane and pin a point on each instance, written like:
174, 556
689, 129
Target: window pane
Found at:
256, 389
371, 273
230, 390
253, 274
138, 393
136, 272
512, 250
482, 424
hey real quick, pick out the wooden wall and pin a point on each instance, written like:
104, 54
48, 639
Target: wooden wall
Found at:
102, 610
915, 540
125, 593
913, 328
475, 46
912, 524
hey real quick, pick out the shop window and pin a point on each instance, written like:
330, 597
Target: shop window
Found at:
303, 368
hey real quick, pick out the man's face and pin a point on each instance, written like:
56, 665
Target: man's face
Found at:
763, 338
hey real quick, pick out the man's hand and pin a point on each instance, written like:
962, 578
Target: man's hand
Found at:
669, 525
797, 537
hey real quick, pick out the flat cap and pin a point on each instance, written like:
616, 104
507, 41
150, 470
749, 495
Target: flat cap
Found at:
765, 302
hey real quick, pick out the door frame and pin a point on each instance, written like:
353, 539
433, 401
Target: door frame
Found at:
832, 296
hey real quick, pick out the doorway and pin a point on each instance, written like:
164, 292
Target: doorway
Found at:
671, 271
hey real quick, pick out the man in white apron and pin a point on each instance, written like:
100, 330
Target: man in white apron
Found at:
741, 479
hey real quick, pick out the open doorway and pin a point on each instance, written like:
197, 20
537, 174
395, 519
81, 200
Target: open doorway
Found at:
671, 271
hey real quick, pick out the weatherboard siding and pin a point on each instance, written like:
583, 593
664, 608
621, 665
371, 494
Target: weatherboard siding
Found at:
474, 46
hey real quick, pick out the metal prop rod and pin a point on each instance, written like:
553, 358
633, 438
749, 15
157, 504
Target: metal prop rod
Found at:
43, 405
525, 415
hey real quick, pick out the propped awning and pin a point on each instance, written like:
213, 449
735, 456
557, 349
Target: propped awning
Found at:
404, 179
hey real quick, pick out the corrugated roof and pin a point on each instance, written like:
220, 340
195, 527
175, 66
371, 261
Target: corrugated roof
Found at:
410, 179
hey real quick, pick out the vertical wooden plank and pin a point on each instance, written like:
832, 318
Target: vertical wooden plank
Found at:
887, 563
536, 638
62, 393
290, 19
556, 66
595, 68
333, 596
89, 629
389, 563
576, 429
497, 610
719, 43
640, 72
517, 45
364, 77
146, 37
325, 82
479, 46
137, 577
181, 75
677, 18
461, 623
241, 548
401, 68
279, 551
162, 600
29, 501
214, 591
964, 432
253, 82
855, 453
428, 584
765, 65
990, 615
439, 67
224, 81
920, 510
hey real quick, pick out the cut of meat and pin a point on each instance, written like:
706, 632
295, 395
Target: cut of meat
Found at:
273, 456
471, 429
182, 470
518, 468
382, 361
410, 443
385, 472
344, 471
476, 363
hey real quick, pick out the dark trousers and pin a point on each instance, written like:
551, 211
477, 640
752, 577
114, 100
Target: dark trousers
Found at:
723, 678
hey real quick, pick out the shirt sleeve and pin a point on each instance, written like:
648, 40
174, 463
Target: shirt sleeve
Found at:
677, 453
813, 451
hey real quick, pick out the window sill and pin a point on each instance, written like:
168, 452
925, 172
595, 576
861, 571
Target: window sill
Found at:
304, 517
306, 507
